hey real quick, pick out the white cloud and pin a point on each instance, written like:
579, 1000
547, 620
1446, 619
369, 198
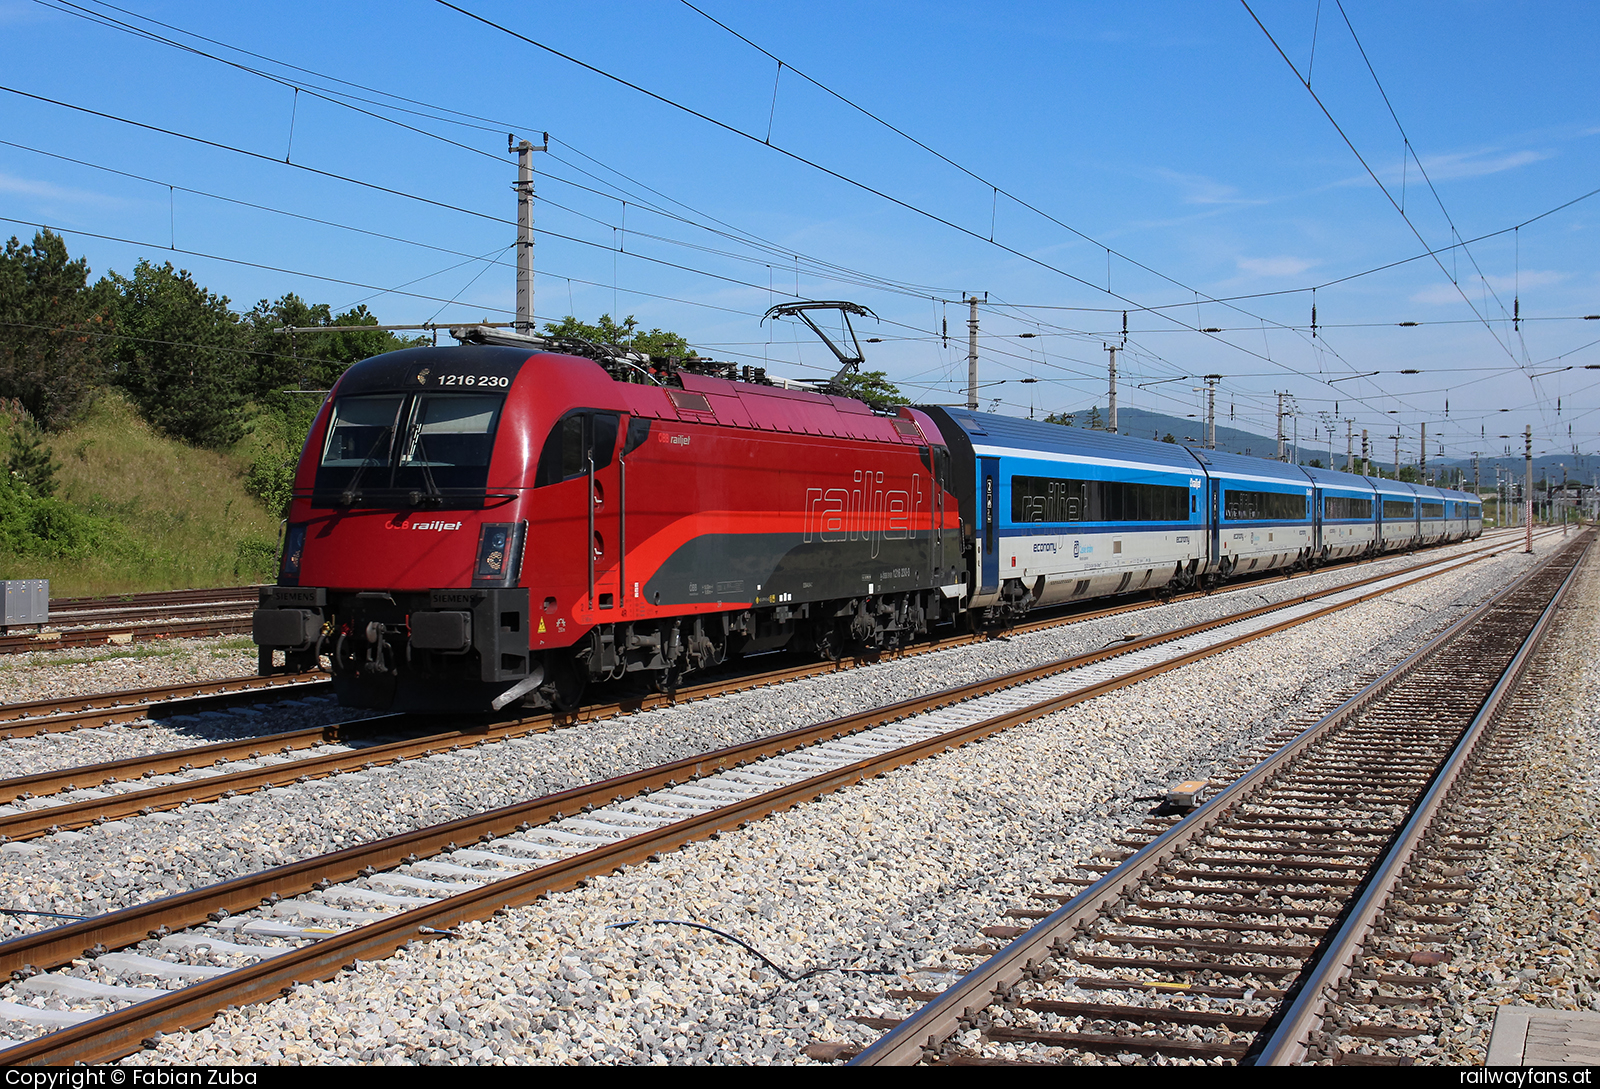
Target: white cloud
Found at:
1475, 164
1199, 189
1274, 266
50, 192
1437, 295
1445, 294
1528, 278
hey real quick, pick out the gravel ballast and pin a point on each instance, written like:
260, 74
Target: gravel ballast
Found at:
140, 858
891, 874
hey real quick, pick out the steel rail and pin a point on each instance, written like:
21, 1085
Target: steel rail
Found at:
942, 1017
1288, 1043
197, 756
122, 1031
118, 708
139, 613
50, 782
156, 598
46, 820
50, 716
118, 635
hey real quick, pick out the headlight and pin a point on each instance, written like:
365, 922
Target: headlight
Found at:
499, 553
294, 547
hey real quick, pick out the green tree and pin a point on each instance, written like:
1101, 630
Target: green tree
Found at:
306, 359
627, 336
1168, 437
1096, 421
184, 358
874, 388
52, 327
1065, 419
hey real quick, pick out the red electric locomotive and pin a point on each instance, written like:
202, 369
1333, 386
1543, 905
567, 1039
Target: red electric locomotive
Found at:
481, 526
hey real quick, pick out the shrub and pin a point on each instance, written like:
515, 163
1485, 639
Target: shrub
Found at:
256, 560
28, 459
279, 430
38, 526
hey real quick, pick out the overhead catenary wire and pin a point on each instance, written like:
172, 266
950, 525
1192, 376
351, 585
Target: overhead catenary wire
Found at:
601, 245
1134, 306
1376, 180
848, 276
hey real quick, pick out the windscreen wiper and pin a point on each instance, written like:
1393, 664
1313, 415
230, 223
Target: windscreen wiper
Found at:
433, 496
350, 494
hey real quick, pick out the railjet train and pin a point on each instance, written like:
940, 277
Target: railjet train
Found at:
489, 526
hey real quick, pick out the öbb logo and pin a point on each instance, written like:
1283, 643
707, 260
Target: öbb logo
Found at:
400, 523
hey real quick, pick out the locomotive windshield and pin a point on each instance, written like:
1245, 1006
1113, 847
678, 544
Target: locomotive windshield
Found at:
429, 449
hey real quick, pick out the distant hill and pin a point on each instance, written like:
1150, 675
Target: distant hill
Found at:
1144, 424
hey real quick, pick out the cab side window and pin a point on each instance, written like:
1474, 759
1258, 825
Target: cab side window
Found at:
573, 440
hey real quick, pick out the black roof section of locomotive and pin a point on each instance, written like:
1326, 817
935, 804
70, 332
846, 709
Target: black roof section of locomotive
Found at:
399, 370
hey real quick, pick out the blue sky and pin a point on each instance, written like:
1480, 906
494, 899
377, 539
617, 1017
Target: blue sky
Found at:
1173, 134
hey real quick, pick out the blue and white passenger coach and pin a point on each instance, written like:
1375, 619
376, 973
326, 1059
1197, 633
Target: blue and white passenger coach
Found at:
1062, 512
1262, 514
1051, 514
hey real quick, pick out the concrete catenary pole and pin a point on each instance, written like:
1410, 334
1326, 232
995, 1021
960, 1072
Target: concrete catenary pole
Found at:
1211, 410
1422, 461
1349, 445
1527, 463
525, 150
1281, 396
972, 352
1366, 462
1111, 424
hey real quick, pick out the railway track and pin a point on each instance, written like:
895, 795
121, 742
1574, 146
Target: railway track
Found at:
121, 708
137, 618
156, 599
367, 901
74, 638
140, 618
136, 704
95, 794
1245, 932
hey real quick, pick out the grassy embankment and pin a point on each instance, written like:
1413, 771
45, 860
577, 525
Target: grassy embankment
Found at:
165, 515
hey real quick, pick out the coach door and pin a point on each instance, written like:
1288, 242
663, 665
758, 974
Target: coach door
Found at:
1316, 519
1214, 531
988, 514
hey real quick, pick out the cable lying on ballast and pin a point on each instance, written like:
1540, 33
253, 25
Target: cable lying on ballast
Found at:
51, 914
768, 961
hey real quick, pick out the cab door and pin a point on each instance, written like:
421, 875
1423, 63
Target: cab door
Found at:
575, 536
607, 530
